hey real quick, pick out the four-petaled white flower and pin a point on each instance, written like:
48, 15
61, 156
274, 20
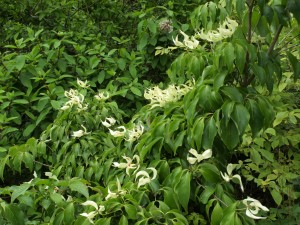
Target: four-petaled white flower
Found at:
135, 133
80, 133
228, 176
188, 42
144, 177
108, 122
198, 157
118, 133
253, 207
83, 84
128, 165
102, 96
115, 194
92, 214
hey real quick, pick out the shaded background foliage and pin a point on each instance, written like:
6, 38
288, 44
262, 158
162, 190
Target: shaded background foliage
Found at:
244, 105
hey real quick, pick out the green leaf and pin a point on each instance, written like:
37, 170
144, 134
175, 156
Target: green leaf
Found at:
233, 93
136, 91
20, 190
240, 117
210, 172
143, 41
132, 70
152, 26
79, 186
206, 194
182, 189
131, 211
256, 117
20, 101
3, 162
216, 215
13, 214
197, 131
93, 62
276, 196
229, 134
209, 134
69, 213
121, 64
28, 130
229, 215
20, 62
280, 117
170, 198
123, 220
228, 54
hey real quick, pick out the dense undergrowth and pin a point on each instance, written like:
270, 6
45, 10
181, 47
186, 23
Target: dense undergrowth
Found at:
149, 112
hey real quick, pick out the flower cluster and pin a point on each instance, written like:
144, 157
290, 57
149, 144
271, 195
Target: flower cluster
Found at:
144, 177
225, 30
166, 26
159, 97
121, 131
190, 43
74, 99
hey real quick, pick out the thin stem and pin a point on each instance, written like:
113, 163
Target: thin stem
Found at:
275, 39
42, 163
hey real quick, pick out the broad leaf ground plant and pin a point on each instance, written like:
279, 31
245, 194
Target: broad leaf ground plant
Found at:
150, 112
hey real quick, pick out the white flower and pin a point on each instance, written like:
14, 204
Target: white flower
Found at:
188, 42
135, 133
198, 157
145, 177
228, 176
159, 97
92, 214
102, 96
80, 133
82, 84
253, 207
118, 133
225, 30
74, 99
128, 165
108, 122
115, 194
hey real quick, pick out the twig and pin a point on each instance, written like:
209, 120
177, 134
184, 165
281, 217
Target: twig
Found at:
275, 39
42, 163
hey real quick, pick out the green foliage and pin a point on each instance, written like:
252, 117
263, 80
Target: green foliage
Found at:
149, 112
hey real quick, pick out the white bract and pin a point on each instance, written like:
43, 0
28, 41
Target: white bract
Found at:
198, 157
108, 122
135, 133
253, 207
144, 177
228, 176
74, 99
188, 42
159, 97
226, 29
83, 84
102, 96
120, 132
115, 194
92, 214
129, 163
80, 133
